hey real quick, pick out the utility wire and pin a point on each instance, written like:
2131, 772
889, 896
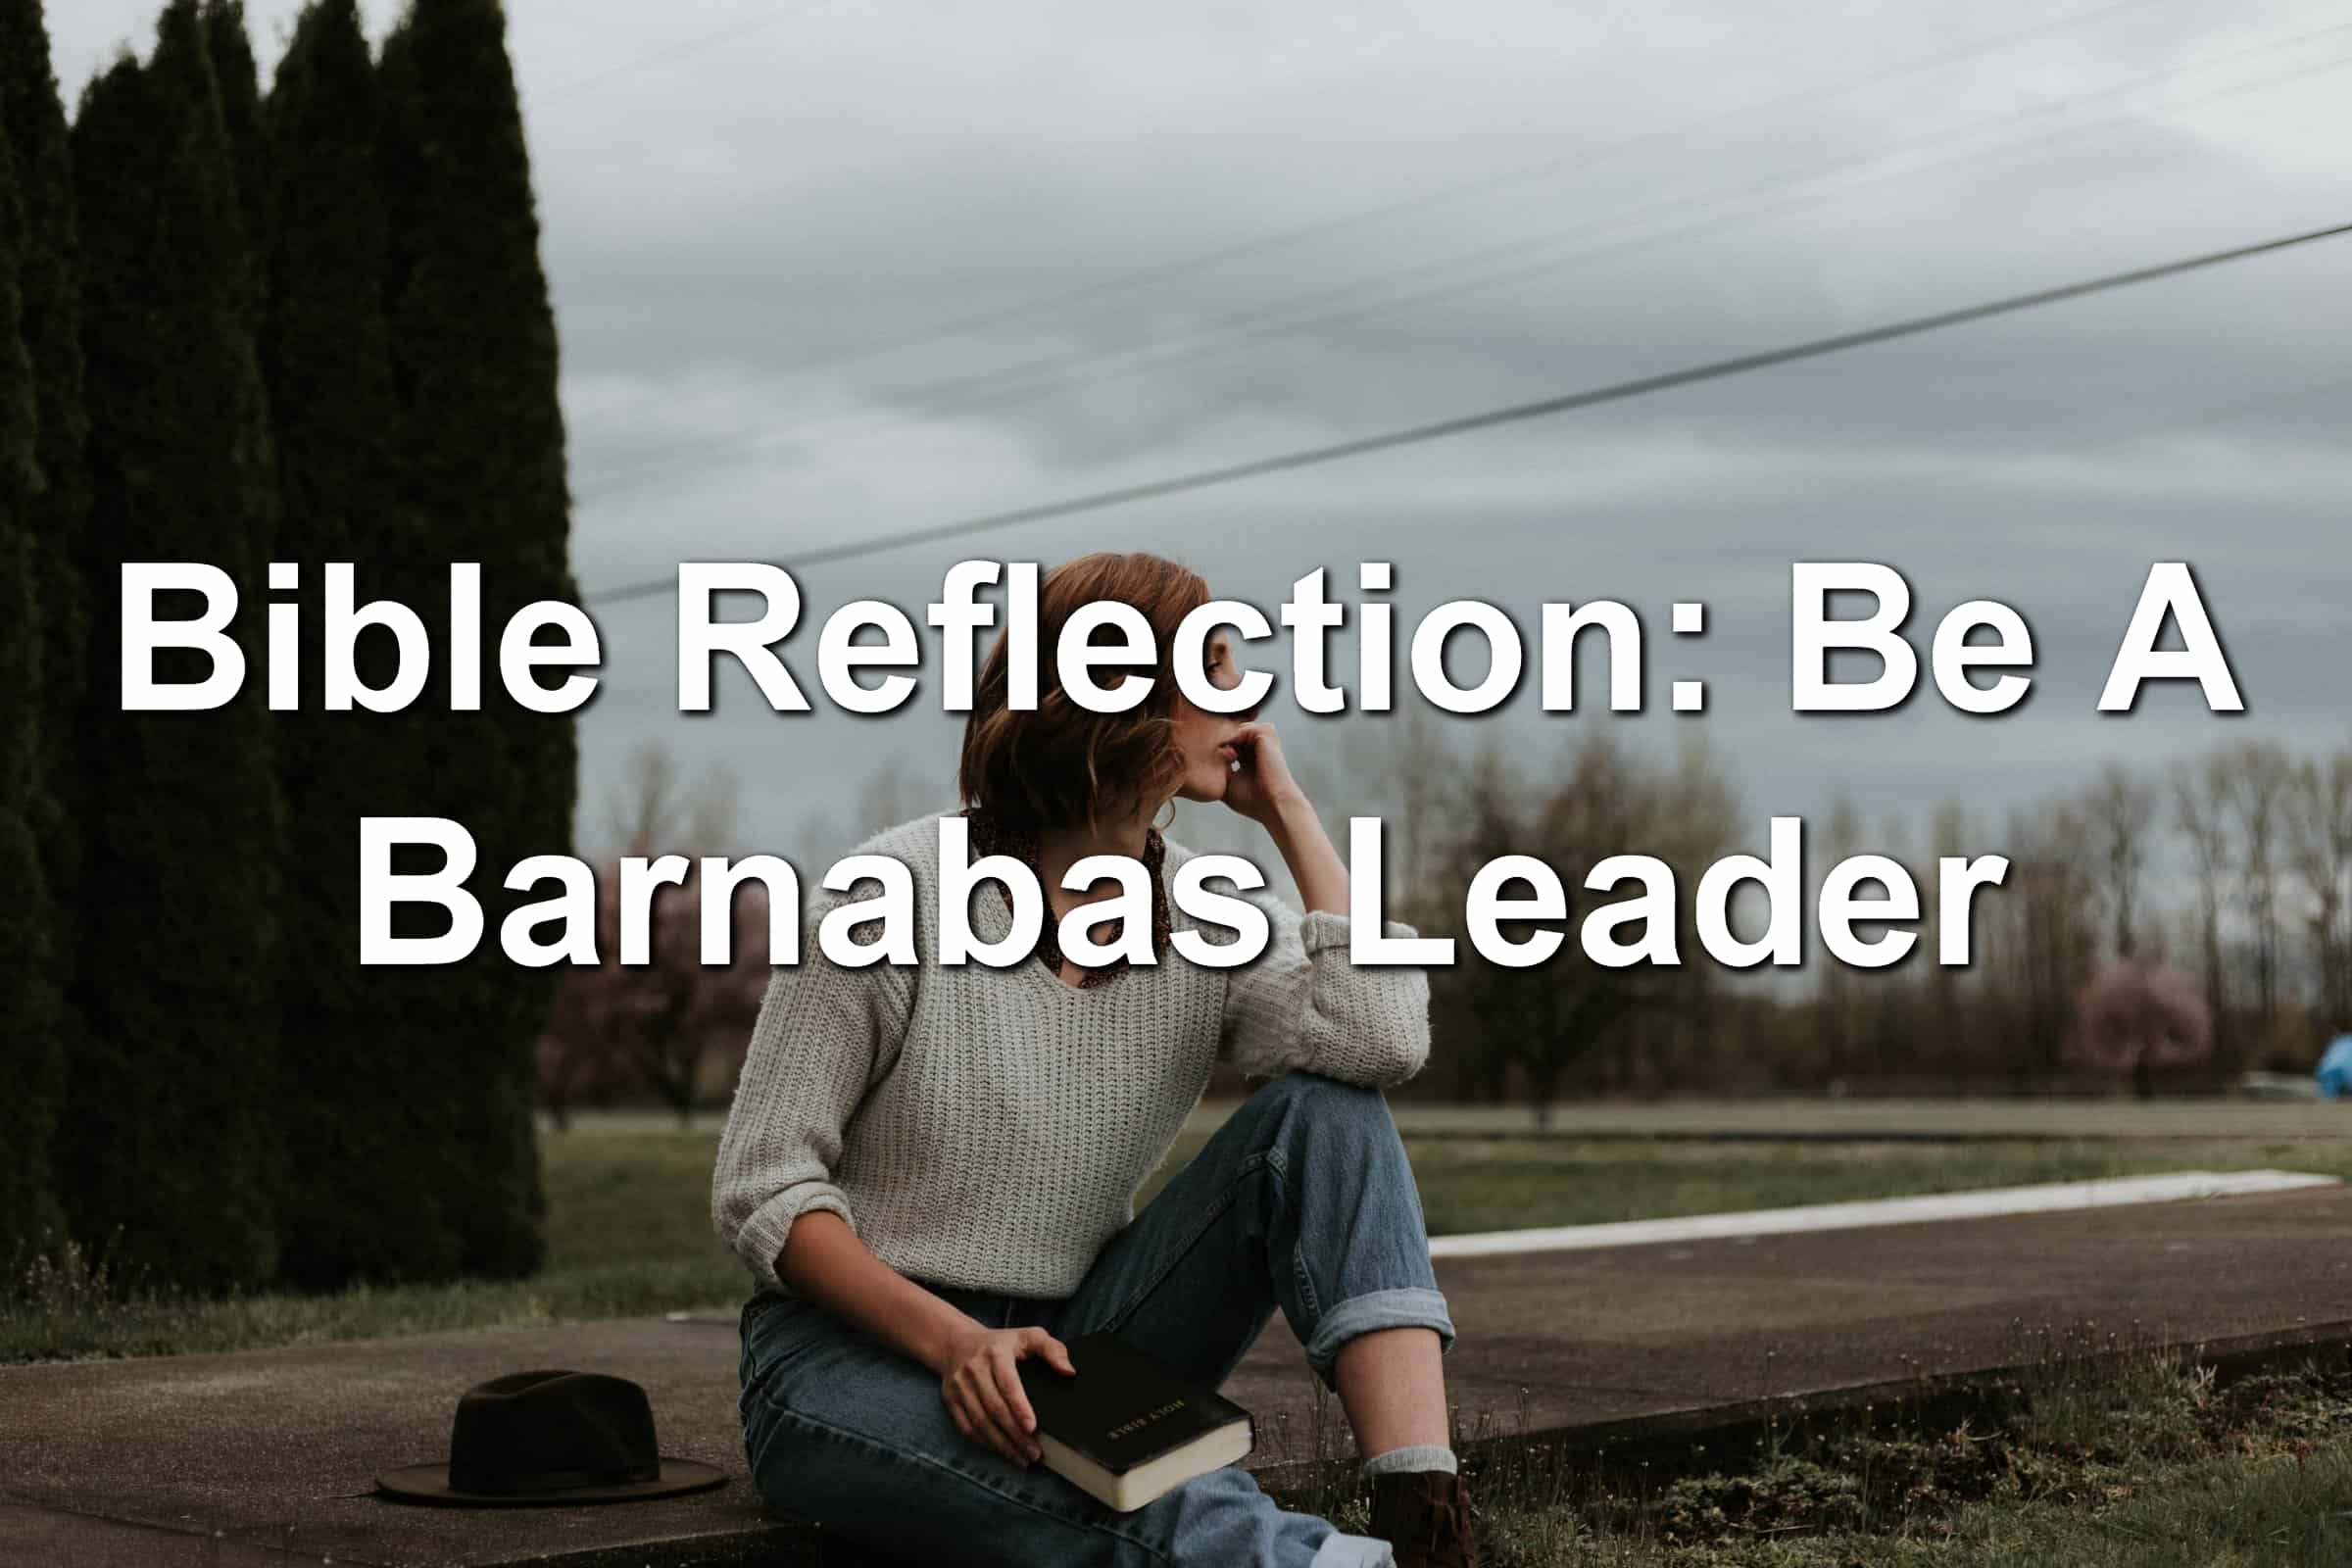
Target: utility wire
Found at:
1454, 191
1240, 330
1514, 413
673, 455
677, 51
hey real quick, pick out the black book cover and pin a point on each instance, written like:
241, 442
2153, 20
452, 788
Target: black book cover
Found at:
1123, 1407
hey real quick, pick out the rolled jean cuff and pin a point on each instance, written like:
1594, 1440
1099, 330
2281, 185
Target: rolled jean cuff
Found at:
1413, 1306
1342, 1550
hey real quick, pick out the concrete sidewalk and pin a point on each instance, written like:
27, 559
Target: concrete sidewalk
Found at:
266, 1457
1609, 1335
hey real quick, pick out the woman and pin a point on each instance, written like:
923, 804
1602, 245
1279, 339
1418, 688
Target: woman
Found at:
930, 1169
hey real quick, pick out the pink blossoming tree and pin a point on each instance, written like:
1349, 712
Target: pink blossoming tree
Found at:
2134, 1019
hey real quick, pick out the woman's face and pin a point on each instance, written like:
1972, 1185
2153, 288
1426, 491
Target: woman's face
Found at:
1202, 736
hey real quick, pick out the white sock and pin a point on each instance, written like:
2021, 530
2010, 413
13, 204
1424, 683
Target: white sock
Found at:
1421, 1456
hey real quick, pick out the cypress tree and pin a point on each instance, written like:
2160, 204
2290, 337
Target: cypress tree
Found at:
474, 350
231, 53
167, 1156
372, 1143
28, 1212
47, 271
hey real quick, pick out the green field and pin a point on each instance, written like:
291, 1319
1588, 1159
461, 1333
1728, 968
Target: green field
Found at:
628, 1228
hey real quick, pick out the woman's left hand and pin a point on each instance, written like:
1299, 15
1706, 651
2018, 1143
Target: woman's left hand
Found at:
1262, 788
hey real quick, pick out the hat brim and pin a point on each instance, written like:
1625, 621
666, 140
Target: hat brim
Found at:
429, 1483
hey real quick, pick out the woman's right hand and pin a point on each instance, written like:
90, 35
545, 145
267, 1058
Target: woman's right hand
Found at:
983, 1390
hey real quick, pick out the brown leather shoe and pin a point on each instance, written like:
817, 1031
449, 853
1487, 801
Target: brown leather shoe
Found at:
1425, 1514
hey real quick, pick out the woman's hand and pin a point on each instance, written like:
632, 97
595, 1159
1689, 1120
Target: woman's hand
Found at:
983, 1390
1262, 789
825, 1260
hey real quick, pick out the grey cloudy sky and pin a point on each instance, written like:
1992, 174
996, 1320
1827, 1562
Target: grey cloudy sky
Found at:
831, 269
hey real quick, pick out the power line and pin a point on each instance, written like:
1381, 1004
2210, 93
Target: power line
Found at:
1514, 413
1240, 330
1452, 191
677, 51
676, 454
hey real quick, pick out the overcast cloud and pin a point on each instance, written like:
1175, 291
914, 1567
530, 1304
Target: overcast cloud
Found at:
761, 220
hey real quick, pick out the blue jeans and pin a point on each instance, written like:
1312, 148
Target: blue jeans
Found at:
1302, 1199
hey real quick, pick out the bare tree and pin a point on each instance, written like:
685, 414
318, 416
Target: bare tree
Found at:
658, 1026
2319, 832
1482, 1011
1895, 1024
1700, 810
2259, 775
2122, 812
2200, 791
1568, 1013
1950, 833
1412, 771
2045, 934
653, 804
891, 795
1836, 986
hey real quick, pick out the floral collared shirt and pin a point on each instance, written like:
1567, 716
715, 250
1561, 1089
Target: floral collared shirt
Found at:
991, 835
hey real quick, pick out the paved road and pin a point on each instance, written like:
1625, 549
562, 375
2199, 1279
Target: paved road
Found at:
266, 1457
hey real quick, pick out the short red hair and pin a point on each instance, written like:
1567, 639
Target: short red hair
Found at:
1060, 764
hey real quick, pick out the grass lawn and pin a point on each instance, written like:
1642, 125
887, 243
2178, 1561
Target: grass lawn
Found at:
2149, 1464
628, 1230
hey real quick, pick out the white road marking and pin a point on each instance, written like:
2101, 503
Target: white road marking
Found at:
2047, 1197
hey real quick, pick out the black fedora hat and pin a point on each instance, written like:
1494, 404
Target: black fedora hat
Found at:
541, 1437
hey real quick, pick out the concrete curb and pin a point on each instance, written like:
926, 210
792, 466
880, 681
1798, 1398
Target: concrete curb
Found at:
1990, 1202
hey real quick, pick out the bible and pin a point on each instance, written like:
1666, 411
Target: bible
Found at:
1124, 1428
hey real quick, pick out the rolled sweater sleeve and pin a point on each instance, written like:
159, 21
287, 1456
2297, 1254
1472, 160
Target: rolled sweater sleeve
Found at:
1303, 1005
824, 1035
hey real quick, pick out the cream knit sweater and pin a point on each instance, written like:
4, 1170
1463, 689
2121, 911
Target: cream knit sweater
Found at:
988, 1128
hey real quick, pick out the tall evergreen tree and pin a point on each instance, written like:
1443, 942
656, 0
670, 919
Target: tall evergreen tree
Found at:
372, 1143
474, 343
49, 272
231, 53
167, 1156
46, 273
28, 1212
